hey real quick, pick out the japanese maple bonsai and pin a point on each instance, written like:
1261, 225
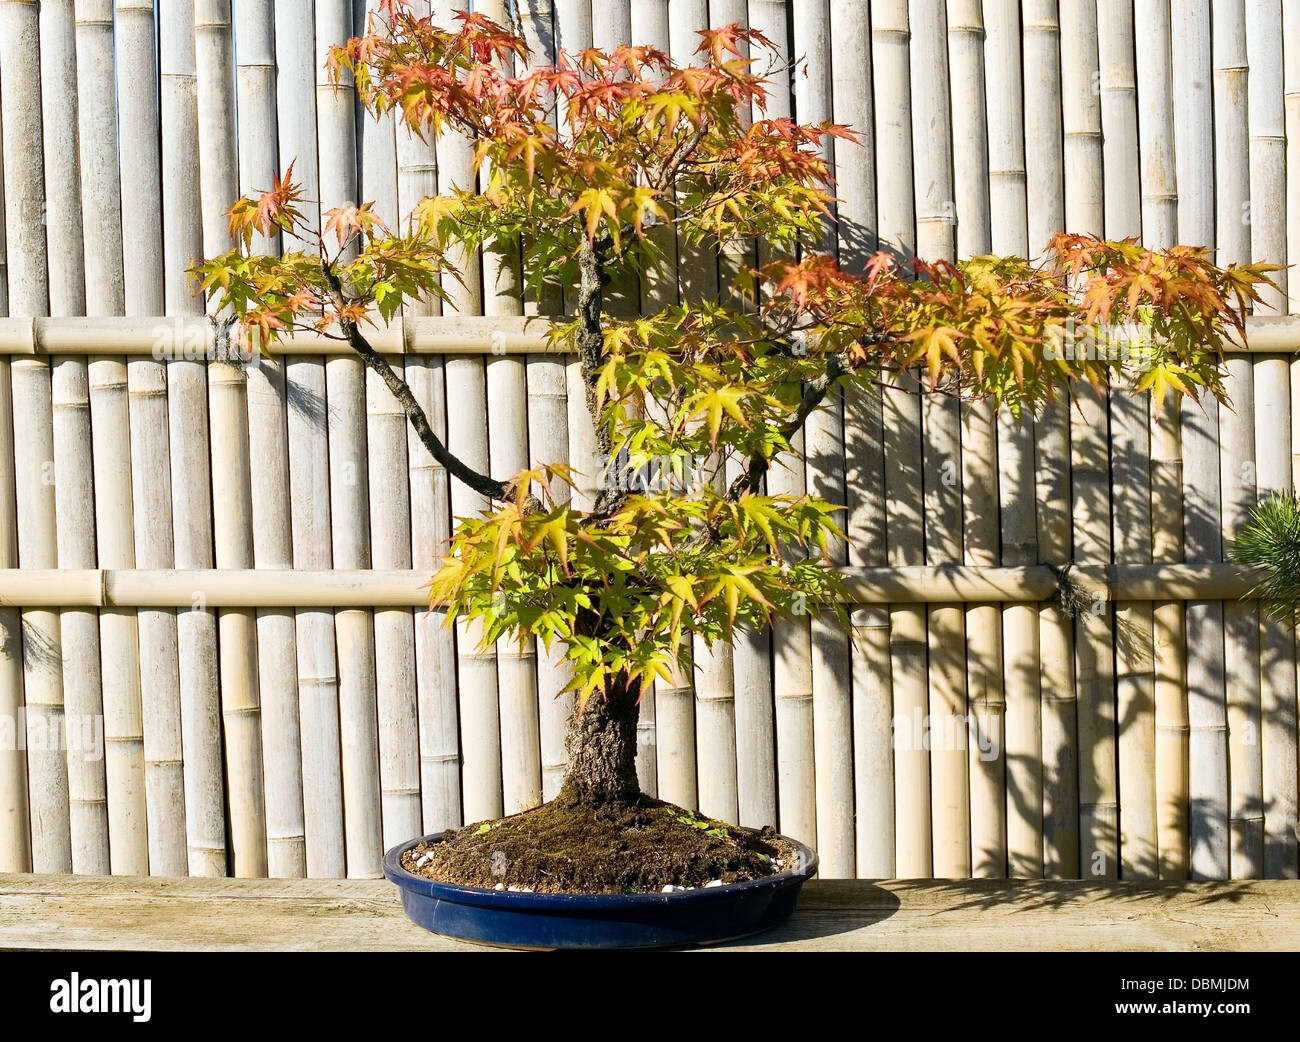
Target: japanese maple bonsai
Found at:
575, 164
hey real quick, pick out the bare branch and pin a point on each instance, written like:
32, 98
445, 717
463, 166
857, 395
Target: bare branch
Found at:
401, 390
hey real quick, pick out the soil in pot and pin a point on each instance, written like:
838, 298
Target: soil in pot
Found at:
576, 848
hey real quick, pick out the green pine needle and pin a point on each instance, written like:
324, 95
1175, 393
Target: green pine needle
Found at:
1270, 540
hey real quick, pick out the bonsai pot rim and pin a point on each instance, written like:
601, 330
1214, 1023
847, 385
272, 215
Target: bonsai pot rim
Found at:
520, 919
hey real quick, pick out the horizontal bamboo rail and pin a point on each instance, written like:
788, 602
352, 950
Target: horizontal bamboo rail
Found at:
400, 587
195, 338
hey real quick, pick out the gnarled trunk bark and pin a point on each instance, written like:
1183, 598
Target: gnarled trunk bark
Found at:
602, 750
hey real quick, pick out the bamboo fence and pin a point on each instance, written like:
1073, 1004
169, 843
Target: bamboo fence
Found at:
216, 657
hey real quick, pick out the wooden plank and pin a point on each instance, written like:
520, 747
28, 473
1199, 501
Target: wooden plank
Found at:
171, 914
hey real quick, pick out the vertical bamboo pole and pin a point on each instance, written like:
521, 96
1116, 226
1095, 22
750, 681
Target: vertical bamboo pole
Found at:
1208, 789
435, 662
715, 692
318, 684
1044, 134
752, 676
97, 143
548, 439
63, 229
390, 547
1094, 676
1181, 631
1241, 634
191, 502
771, 18
508, 452
277, 655
872, 744
186, 387
932, 160
676, 777
1133, 435
1192, 136
87, 793
1273, 434
15, 836
649, 27
1291, 127
308, 455
241, 709
1267, 124
124, 741
1004, 90
42, 673
851, 104
390, 535
890, 53
1008, 234
140, 165
1045, 211
792, 655
536, 19
832, 707
107, 378
378, 148
25, 207
345, 385
1081, 114
1117, 83
985, 746
824, 448
435, 648
697, 267
573, 25
831, 662
70, 406
611, 27
349, 514
1280, 711
466, 384
871, 693
1252, 54
467, 437
417, 178
268, 442
228, 420
502, 287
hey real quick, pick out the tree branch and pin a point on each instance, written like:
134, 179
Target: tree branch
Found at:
457, 468
814, 393
401, 390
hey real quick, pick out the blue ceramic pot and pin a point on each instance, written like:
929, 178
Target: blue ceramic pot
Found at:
547, 921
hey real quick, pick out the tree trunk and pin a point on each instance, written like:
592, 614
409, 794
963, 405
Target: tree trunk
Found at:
602, 750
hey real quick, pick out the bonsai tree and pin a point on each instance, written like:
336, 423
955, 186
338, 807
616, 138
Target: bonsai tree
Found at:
575, 163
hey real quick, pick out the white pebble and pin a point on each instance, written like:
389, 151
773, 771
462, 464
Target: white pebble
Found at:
712, 883
499, 886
